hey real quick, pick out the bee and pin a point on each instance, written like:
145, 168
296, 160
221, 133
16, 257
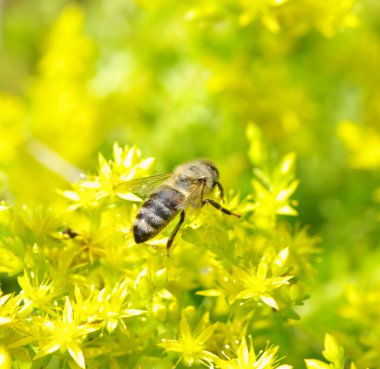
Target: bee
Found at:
171, 194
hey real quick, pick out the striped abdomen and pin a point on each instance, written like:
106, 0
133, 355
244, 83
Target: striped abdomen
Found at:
156, 212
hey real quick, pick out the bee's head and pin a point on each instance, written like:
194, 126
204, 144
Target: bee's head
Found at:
197, 170
211, 168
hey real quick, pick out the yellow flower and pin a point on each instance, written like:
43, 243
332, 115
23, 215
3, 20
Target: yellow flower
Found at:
192, 344
246, 358
64, 334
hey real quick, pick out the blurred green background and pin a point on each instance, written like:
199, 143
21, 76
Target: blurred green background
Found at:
183, 79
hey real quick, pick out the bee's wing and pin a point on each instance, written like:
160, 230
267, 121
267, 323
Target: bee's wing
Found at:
196, 196
142, 186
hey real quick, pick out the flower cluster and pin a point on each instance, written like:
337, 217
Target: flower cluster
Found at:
87, 291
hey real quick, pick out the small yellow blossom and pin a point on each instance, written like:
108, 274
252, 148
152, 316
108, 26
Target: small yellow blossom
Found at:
246, 358
191, 344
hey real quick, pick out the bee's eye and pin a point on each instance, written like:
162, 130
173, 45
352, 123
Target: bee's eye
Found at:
214, 171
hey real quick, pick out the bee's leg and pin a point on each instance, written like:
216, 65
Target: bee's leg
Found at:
221, 190
175, 231
220, 207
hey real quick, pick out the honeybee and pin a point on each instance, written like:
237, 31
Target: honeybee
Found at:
170, 194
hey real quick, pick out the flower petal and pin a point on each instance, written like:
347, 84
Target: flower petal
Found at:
77, 354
